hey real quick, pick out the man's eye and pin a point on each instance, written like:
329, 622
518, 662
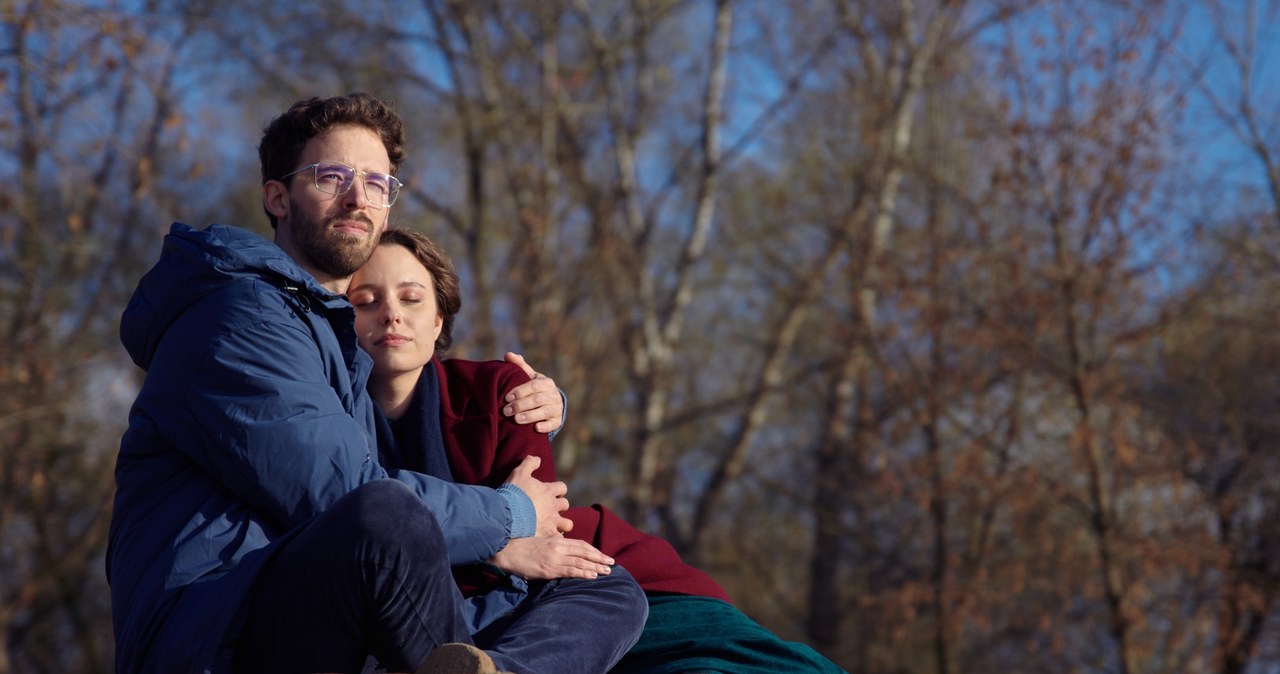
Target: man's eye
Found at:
332, 175
377, 182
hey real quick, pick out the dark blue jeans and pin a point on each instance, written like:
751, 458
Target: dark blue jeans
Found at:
370, 576
569, 625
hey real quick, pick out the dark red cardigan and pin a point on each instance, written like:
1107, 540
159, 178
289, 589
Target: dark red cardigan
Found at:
484, 446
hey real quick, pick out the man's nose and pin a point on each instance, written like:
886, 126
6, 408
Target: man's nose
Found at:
355, 198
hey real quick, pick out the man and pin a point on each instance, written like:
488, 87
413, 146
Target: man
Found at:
254, 528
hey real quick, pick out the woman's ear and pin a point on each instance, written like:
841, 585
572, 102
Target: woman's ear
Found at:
275, 198
439, 324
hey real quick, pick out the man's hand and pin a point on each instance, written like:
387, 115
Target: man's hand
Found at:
536, 401
548, 497
551, 557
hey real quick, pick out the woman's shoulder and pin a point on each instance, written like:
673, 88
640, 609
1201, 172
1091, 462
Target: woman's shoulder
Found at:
482, 369
481, 378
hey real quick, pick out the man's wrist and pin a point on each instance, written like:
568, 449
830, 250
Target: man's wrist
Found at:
524, 518
564, 414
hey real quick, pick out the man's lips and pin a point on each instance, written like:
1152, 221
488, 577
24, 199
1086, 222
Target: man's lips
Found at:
352, 226
392, 339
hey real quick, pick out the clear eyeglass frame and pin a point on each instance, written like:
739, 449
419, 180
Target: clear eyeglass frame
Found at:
336, 178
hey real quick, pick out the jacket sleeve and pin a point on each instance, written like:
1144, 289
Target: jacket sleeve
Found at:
516, 441
482, 444
262, 416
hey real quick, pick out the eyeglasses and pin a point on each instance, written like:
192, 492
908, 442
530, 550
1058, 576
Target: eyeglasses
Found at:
334, 178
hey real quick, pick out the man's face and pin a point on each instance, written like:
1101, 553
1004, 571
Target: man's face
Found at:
331, 236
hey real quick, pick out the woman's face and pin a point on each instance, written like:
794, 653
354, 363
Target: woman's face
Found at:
397, 320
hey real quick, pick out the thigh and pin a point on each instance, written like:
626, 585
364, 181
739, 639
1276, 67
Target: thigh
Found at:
368, 575
570, 625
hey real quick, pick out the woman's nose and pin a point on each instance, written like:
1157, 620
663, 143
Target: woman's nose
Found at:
391, 315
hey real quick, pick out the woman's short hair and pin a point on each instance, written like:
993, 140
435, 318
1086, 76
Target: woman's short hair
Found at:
443, 276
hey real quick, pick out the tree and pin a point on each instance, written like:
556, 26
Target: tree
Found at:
874, 309
91, 124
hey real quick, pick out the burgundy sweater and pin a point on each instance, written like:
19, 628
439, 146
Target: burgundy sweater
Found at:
483, 447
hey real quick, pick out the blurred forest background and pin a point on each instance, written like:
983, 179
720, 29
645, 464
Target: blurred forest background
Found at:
944, 333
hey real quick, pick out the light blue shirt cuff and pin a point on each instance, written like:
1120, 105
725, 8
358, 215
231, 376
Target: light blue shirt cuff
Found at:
524, 519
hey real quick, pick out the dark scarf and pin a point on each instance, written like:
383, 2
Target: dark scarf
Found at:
414, 441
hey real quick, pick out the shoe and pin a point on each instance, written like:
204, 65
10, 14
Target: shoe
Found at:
458, 659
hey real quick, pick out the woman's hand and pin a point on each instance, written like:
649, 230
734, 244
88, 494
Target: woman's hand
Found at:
551, 557
536, 401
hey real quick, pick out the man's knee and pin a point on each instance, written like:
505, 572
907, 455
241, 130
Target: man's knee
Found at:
631, 602
389, 513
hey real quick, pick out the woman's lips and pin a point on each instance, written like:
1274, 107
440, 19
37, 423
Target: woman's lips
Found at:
393, 340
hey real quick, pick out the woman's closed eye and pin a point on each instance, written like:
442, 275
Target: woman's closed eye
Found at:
362, 300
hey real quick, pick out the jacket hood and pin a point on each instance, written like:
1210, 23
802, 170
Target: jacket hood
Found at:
194, 263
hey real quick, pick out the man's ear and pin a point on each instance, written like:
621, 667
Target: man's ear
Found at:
275, 198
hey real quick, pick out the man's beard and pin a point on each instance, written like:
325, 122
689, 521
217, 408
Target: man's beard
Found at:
334, 254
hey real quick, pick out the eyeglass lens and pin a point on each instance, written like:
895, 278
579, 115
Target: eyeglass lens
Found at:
335, 178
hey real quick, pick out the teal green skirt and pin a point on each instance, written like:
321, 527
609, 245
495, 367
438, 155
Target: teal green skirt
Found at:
697, 634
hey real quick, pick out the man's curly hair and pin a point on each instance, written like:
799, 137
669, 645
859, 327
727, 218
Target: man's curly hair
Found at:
285, 136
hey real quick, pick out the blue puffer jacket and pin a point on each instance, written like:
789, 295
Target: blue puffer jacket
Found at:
253, 418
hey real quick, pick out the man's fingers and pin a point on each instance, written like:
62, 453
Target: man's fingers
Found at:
538, 385
547, 557
517, 359
525, 468
537, 401
537, 382
583, 557
589, 553
544, 409
587, 571
542, 390
531, 402
530, 463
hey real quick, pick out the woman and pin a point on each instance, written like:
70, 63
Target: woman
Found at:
541, 582
443, 417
